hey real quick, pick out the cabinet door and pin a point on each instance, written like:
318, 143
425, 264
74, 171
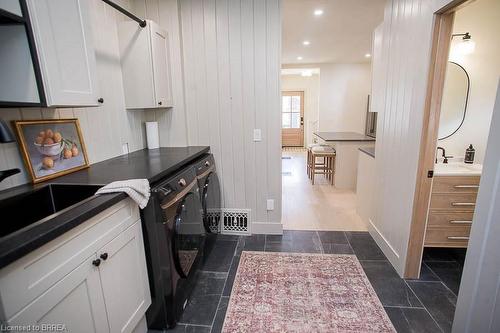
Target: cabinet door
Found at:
124, 279
161, 70
76, 301
65, 50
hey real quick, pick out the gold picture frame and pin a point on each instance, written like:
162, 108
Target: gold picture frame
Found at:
51, 148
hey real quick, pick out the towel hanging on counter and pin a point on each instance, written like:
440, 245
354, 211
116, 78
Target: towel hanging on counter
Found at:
137, 189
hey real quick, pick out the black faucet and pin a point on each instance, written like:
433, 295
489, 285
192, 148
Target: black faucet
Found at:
445, 158
7, 173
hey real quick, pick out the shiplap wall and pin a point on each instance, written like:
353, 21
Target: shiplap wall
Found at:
225, 58
406, 51
105, 128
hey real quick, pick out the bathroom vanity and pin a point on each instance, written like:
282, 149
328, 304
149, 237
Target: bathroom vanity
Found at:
453, 200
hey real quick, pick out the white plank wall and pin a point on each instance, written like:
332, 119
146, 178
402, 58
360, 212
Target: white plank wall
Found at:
231, 59
406, 49
105, 128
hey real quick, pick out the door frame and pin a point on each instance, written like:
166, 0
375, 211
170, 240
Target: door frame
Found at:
441, 41
303, 113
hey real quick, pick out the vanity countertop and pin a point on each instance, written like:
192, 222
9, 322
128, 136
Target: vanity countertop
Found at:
457, 169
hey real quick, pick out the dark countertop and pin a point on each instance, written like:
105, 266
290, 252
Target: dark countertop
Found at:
343, 136
150, 164
368, 150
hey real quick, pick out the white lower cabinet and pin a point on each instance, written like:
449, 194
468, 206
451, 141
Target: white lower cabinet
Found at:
77, 302
106, 292
124, 280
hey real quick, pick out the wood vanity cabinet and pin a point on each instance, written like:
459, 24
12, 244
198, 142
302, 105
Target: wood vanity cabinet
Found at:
451, 210
91, 279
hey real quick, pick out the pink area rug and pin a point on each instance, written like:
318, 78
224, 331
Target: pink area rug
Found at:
292, 292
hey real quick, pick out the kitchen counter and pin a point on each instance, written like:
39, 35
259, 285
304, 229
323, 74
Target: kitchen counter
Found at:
150, 164
343, 136
370, 151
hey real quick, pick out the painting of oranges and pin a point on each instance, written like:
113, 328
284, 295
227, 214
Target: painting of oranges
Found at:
51, 148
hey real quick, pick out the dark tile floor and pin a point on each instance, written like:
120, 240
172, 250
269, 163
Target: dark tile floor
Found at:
424, 305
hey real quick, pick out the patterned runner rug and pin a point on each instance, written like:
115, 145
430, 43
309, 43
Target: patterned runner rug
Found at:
295, 292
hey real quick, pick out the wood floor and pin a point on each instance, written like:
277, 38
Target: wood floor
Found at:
318, 207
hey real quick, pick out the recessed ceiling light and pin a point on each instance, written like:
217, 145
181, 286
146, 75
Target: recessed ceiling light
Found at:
306, 42
318, 12
299, 58
368, 55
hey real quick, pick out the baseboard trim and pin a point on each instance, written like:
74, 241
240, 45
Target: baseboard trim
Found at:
269, 228
382, 242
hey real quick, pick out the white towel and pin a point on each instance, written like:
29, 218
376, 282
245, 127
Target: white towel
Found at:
137, 189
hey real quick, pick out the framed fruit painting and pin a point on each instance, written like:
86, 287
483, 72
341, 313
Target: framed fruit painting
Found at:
51, 148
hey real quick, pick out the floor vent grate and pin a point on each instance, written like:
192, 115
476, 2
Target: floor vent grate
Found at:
213, 216
236, 221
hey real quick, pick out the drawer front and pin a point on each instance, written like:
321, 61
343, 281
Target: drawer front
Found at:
449, 219
454, 202
447, 236
453, 184
27, 278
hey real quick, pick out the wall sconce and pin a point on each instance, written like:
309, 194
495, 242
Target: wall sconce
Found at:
466, 46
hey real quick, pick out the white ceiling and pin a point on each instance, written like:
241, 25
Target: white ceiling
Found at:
342, 34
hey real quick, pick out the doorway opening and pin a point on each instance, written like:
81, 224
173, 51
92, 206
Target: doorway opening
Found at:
462, 87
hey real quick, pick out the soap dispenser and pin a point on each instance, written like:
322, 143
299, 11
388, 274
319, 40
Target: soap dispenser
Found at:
469, 154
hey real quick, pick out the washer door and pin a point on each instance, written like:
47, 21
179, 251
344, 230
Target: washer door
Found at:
188, 234
211, 201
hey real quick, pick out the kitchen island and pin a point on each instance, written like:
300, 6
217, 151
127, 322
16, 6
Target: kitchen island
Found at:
346, 144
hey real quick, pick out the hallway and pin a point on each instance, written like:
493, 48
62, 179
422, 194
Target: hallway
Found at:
318, 207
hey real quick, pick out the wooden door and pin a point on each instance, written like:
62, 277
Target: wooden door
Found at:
124, 279
76, 301
63, 37
161, 72
292, 119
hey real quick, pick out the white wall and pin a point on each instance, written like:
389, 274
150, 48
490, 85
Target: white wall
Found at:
406, 48
231, 58
344, 90
480, 18
104, 128
310, 86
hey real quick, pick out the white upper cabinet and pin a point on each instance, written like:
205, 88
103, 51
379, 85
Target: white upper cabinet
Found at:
63, 38
145, 65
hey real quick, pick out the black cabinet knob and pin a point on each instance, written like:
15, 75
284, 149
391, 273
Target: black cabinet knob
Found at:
104, 256
101, 100
96, 262
160, 103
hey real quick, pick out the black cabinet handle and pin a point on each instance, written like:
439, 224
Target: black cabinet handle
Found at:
96, 262
159, 103
101, 100
104, 256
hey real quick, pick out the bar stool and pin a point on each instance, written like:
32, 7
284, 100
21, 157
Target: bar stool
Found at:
326, 168
309, 161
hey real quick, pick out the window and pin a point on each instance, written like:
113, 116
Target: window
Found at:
290, 113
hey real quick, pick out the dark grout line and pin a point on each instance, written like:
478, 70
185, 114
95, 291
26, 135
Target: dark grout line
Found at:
418, 298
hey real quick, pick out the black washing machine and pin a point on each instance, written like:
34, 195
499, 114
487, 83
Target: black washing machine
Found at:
175, 242
210, 196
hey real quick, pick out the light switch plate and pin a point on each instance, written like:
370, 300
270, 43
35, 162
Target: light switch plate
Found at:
257, 135
270, 204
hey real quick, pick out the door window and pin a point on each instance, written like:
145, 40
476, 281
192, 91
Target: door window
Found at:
290, 112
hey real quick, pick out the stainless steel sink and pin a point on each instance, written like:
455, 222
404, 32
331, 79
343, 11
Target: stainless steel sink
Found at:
25, 209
